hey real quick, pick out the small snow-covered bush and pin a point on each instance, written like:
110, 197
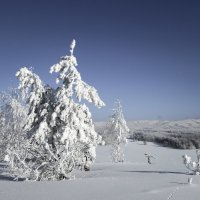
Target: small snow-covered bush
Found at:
116, 133
193, 166
60, 132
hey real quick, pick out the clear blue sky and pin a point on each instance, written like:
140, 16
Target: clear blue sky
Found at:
146, 53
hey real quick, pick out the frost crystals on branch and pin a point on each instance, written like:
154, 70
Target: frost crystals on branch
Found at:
116, 133
60, 132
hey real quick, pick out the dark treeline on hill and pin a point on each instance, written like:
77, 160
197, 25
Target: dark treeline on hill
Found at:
174, 140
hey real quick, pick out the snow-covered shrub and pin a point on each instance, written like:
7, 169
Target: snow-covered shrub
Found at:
12, 120
116, 133
193, 166
60, 132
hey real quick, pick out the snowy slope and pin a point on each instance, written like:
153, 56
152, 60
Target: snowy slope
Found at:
134, 179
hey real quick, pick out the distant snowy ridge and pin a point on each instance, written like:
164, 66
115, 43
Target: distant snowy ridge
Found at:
188, 125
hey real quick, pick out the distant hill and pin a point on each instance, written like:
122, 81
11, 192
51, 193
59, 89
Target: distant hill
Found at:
189, 125
183, 134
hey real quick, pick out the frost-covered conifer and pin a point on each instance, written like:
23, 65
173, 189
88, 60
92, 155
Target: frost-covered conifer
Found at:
77, 125
60, 132
116, 133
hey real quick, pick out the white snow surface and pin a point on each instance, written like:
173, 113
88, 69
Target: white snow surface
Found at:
135, 179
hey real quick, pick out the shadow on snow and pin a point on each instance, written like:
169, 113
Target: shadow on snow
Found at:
157, 172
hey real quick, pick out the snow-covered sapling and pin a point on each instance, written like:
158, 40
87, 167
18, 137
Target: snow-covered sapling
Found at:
149, 157
116, 133
193, 166
190, 180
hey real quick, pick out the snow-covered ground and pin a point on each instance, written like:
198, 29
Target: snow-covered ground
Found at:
135, 179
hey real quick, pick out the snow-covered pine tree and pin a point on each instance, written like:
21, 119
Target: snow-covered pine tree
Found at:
116, 133
77, 126
61, 133
35, 159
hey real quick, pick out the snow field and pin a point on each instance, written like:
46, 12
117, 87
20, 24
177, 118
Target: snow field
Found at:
134, 179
